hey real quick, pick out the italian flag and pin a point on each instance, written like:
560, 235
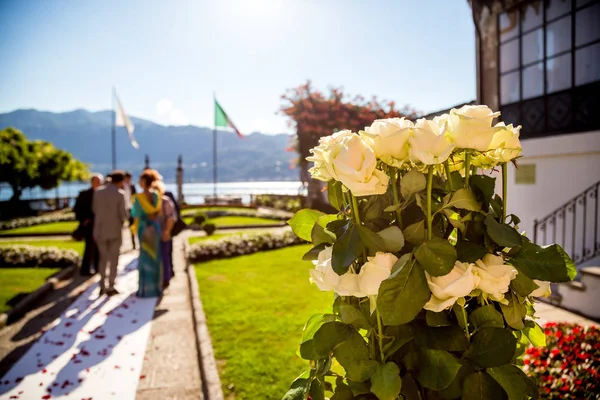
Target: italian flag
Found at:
222, 120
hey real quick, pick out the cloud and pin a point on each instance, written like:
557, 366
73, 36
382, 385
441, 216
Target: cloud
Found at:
269, 126
169, 113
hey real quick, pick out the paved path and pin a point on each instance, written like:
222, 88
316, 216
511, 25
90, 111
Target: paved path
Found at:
547, 313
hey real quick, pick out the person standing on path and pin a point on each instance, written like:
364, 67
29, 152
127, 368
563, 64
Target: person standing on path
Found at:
166, 220
85, 216
110, 213
129, 190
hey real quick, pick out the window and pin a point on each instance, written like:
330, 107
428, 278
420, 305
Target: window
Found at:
548, 46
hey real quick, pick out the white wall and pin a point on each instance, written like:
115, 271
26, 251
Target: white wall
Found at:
565, 166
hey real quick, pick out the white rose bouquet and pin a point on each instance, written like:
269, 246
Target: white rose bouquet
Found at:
433, 285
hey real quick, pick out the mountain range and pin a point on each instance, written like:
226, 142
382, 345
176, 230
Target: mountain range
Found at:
87, 135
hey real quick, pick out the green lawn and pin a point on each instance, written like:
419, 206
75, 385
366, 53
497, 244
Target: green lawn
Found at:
53, 227
61, 244
21, 280
237, 221
193, 210
256, 306
196, 239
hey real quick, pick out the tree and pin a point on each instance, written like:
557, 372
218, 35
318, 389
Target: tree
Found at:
313, 115
27, 164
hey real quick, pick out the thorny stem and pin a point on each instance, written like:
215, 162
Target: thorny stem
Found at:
429, 189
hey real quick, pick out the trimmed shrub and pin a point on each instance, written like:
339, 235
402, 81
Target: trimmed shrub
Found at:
569, 366
200, 218
209, 228
233, 246
32, 221
22, 256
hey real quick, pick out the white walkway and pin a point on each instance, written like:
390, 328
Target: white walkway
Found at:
95, 350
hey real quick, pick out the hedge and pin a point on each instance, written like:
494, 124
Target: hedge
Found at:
237, 245
31, 221
22, 256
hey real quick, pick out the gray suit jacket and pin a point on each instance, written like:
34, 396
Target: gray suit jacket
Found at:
109, 212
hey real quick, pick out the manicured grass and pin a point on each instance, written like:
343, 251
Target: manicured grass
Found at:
237, 221
196, 239
21, 280
256, 306
193, 210
52, 227
61, 244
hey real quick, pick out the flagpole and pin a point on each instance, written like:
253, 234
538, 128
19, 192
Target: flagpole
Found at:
113, 135
215, 151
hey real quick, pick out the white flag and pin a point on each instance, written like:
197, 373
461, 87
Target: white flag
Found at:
123, 120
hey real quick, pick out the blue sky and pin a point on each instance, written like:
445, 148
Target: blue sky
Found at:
167, 57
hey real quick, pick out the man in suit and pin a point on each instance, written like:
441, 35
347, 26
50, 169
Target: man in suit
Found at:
110, 213
85, 216
129, 190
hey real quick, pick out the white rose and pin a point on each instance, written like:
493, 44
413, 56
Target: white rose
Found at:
470, 127
348, 285
445, 290
505, 145
323, 275
543, 290
346, 157
495, 276
374, 271
319, 153
429, 144
389, 139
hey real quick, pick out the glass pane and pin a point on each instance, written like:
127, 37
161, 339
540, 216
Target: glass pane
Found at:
587, 25
587, 64
556, 8
509, 88
509, 55
558, 73
533, 47
531, 16
558, 36
583, 2
509, 25
533, 81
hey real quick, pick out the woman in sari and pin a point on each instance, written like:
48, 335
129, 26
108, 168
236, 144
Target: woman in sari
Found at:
147, 207
166, 220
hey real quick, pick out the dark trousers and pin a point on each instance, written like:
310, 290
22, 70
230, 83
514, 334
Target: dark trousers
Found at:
131, 219
90, 254
166, 250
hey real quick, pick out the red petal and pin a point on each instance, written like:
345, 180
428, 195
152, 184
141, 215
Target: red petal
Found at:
142, 376
46, 397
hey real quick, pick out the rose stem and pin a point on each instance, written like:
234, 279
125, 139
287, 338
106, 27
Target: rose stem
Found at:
380, 338
448, 176
504, 190
357, 220
429, 189
467, 169
394, 173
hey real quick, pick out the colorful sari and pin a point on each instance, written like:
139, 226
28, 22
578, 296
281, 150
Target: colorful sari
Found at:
146, 226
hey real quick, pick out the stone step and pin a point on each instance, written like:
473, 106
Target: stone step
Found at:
582, 296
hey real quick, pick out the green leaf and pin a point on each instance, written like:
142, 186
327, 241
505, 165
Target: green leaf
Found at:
534, 333
400, 334
317, 390
436, 319
411, 183
402, 296
335, 194
342, 391
370, 239
359, 388
410, 388
298, 389
514, 382
329, 335
465, 200
486, 317
319, 233
415, 233
346, 250
353, 355
469, 251
522, 344
353, 316
454, 219
523, 285
393, 239
491, 347
303, 221
307, 348
484, 187
513, 312
437, 256
448, 338
497, 206
438, 369
386, 383
548, 263
313, 253
481, 386
454, 391
502, 234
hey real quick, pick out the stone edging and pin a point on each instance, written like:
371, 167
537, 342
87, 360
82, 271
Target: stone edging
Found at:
211, 382
26, 304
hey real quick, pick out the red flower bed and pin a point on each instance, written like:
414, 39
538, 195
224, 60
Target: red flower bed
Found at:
568, 367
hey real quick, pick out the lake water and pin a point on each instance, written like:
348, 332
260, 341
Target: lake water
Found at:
194, 193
